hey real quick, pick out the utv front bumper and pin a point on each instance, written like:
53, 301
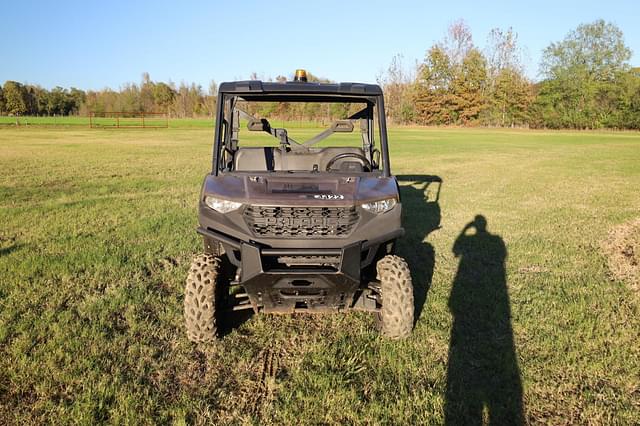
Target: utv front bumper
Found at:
287, 280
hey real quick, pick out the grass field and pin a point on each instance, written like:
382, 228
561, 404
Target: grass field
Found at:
96, 236
80, 121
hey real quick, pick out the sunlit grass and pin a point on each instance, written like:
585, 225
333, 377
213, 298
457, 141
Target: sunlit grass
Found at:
97, 232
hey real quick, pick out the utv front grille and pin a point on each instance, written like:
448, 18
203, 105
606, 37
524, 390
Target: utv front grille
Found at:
296, 222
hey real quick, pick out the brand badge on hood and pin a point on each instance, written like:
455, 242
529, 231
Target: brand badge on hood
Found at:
328, 197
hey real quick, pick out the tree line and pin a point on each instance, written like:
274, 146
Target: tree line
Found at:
586, 83
183, 100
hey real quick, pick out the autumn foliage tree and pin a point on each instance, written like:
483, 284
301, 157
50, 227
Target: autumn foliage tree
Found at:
15, 98
432, 91
468, 88
452, 81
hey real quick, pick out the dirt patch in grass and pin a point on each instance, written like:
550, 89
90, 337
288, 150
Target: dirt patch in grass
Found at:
622, 249
533, 269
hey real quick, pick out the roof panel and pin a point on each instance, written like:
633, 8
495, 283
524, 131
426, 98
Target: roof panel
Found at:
291, 87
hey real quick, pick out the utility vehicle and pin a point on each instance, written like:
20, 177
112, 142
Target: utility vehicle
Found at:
296, 222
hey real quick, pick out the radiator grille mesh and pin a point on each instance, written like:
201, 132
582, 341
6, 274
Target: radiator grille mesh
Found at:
296, 222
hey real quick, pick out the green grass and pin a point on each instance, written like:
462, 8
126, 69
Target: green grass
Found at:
97, 232
44, 121
79, 121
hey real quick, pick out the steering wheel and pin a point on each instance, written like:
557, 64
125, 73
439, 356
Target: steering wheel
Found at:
367, 163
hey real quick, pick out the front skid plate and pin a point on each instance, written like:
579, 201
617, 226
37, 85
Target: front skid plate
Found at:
276, 292
297, 289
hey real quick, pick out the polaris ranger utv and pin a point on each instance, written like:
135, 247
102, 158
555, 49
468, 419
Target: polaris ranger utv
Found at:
299, 224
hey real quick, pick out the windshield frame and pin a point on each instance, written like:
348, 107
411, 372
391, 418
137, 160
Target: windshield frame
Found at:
224, 116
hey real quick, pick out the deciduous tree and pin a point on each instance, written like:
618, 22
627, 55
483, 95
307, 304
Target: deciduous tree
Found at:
163, 96
15, 98
457, 42
582, 74
510, 99
396, 82
468, 88
432, 94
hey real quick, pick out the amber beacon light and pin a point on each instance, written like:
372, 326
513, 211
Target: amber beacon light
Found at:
301, 75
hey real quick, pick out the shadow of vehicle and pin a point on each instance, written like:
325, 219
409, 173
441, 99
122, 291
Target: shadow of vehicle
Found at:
7, 250
230, 320
420, 217
483, 377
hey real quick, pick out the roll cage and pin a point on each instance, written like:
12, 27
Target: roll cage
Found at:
229, 114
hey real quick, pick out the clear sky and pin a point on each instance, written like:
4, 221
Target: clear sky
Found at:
96, 44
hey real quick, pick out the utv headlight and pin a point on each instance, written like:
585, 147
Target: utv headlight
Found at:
381, 206
219, 205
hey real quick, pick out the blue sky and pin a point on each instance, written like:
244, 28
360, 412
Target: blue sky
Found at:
92, 45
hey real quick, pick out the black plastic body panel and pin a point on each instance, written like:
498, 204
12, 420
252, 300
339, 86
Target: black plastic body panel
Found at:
294, 87
314, 289
272, 287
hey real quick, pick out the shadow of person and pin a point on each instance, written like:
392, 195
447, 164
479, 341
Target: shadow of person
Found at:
483, 378
421, 216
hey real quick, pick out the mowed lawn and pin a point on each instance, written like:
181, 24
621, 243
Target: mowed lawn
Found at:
97, 229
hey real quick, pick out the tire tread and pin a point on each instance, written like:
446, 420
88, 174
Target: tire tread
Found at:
396, 315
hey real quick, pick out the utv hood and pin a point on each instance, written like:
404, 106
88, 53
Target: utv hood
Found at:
300, 190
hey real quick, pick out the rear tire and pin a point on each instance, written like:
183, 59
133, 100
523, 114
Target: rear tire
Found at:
396, 315
203, 286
